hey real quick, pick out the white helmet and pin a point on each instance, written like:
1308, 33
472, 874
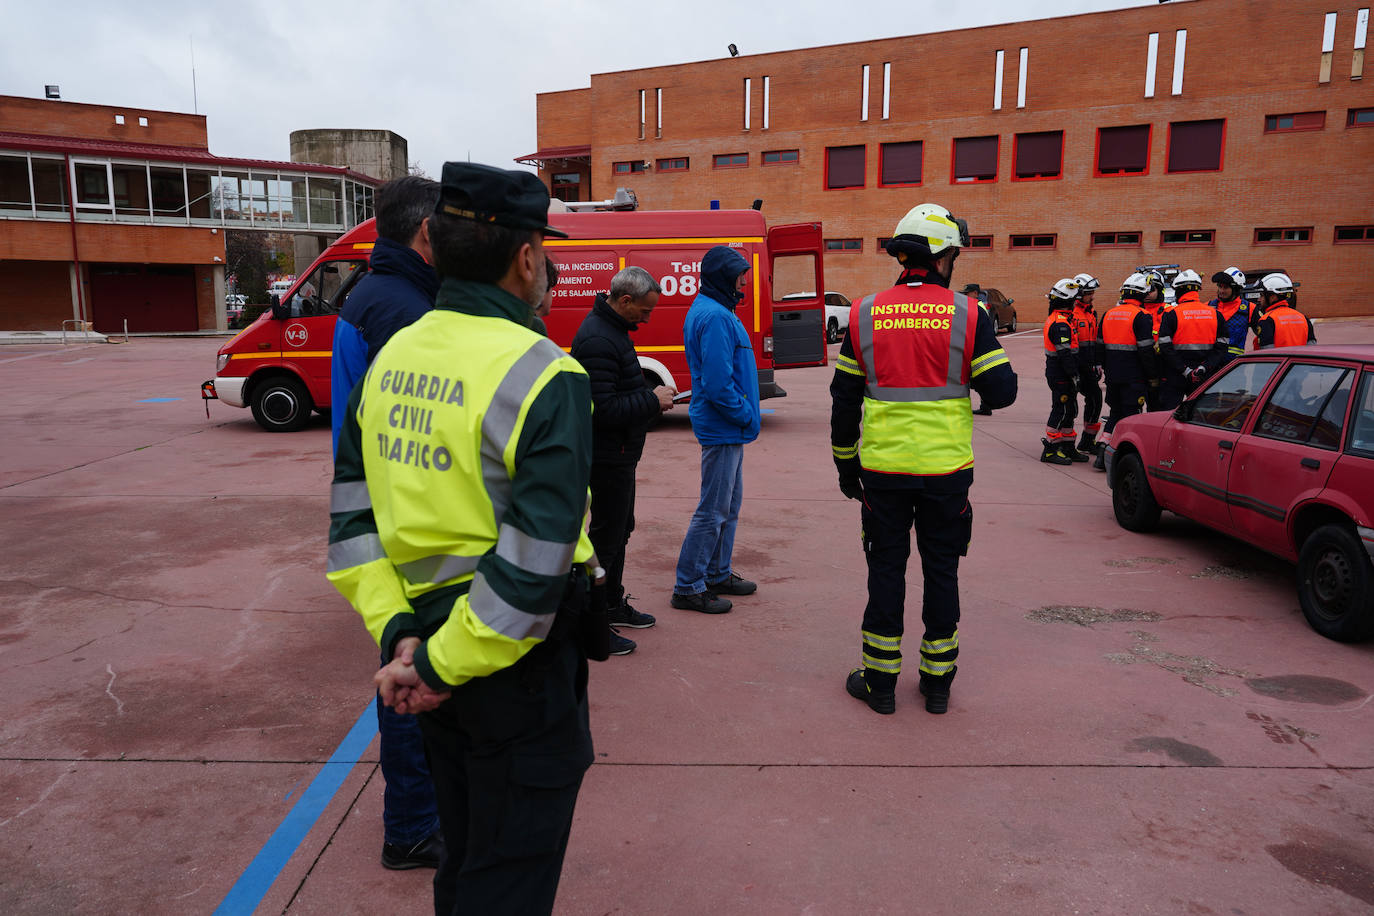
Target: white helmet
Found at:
1187, 278
1062, 294
1137, 285
1230, 275
928, 229
1086, 282
1277, 283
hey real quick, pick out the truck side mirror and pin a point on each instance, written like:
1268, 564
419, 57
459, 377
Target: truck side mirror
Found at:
279, 311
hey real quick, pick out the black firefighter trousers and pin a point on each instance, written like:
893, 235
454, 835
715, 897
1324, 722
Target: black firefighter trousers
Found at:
507, 753
943, 518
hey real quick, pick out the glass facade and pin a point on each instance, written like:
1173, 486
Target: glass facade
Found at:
34, 186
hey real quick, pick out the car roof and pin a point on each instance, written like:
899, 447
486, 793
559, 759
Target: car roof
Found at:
1323, 351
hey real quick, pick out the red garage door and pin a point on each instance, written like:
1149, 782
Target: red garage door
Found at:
153, 297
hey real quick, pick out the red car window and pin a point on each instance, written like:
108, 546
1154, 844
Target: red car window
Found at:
1362, 420
1308, 406
1228, 401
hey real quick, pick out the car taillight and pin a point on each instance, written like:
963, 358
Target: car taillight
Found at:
221, 362
768, 345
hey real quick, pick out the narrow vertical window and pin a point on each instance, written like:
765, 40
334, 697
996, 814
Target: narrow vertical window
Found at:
766, 81
1328, 46
1151, 58
863, 91
658, 112
641, 114
1021, 80
1361, 29
748, 88
887, 88
997, 82
1180, 47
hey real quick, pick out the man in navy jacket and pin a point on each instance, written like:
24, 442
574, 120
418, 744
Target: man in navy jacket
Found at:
725, 415
399, 287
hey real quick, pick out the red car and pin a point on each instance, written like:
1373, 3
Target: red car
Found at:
1277, 450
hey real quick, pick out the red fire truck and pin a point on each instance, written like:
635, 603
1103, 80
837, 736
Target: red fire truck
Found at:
278, 366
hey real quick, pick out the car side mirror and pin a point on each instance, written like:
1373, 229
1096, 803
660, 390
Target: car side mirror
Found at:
279, 311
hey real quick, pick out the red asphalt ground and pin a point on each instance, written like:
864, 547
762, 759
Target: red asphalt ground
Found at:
1141, 724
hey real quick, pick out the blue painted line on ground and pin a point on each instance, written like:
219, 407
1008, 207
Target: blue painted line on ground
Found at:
260, 874
157, 400
767, 410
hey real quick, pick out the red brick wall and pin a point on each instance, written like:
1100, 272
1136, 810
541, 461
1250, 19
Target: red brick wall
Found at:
1244, 59
97, 122
98, 242
38, 295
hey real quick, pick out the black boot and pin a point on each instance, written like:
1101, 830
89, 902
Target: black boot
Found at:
884, 702
1052, 454
1073, 454
936, 691
1100, 462
1086, 443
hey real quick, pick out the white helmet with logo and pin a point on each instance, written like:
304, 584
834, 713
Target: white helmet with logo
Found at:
928, 229
1187, 279
1062, 294
1230, 275
1136, 286
1086, 282
1279, 284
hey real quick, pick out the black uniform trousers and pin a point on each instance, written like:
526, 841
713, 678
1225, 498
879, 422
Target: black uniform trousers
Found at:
943, 518
1124, 400
507, 753
613, 520
1063, 402
1092, 401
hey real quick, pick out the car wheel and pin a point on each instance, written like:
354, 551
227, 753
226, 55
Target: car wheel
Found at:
832, 331
1132, 501
1336, 584
281, 404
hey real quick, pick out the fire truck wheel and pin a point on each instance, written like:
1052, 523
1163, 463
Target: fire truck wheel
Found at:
281, 404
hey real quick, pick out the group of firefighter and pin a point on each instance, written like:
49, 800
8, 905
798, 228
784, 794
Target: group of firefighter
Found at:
1150, 354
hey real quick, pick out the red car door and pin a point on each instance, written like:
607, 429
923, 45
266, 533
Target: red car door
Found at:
1288, 455
1190, 469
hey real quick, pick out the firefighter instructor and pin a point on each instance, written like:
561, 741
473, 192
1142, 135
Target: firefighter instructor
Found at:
901, 431
456, 531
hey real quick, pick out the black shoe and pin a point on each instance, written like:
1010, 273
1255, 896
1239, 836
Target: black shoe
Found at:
619, 644
1100, 462
705, 602
884, 703
424, 854
627, 616
936, 691
1073, 454
983, 411
1052, 454
735, 585
1086, 445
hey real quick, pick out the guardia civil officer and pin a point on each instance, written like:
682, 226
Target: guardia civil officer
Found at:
456, 531
901, 388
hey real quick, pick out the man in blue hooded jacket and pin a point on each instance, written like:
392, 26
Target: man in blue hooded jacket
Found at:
725, 415
398, 289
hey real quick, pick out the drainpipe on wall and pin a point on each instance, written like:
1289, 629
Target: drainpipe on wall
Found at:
76, 251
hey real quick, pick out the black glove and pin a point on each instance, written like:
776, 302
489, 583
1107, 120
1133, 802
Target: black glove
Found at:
1197, 374
851, 486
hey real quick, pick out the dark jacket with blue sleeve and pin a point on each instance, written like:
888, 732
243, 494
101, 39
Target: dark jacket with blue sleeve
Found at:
725, 379
399, 287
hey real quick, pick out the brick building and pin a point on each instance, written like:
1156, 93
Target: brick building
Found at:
145, 239
1205, 133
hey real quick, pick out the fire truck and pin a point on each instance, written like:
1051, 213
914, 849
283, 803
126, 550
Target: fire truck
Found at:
278, 366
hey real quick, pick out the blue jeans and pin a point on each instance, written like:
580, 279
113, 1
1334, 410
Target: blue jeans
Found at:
409, 811
710, 540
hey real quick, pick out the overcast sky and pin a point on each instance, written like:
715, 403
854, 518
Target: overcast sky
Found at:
457, 80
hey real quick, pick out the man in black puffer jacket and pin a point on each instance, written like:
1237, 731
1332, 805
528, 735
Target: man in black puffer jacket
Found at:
624, 407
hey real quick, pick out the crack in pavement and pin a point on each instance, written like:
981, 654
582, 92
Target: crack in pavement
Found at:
129, 451
157, 604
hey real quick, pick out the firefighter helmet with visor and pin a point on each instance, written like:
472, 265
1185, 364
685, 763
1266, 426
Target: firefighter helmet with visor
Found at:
927, 230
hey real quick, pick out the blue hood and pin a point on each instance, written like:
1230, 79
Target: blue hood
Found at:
720, 269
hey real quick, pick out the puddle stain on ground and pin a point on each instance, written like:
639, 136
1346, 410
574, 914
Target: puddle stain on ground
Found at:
1221, 572
1087, 616
1137, 562
1329, 865
1194, 669
1307, 688
1182, 751
1281, 732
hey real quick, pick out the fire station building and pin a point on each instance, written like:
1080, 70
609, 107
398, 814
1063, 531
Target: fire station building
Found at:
112, 214
1203, 133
